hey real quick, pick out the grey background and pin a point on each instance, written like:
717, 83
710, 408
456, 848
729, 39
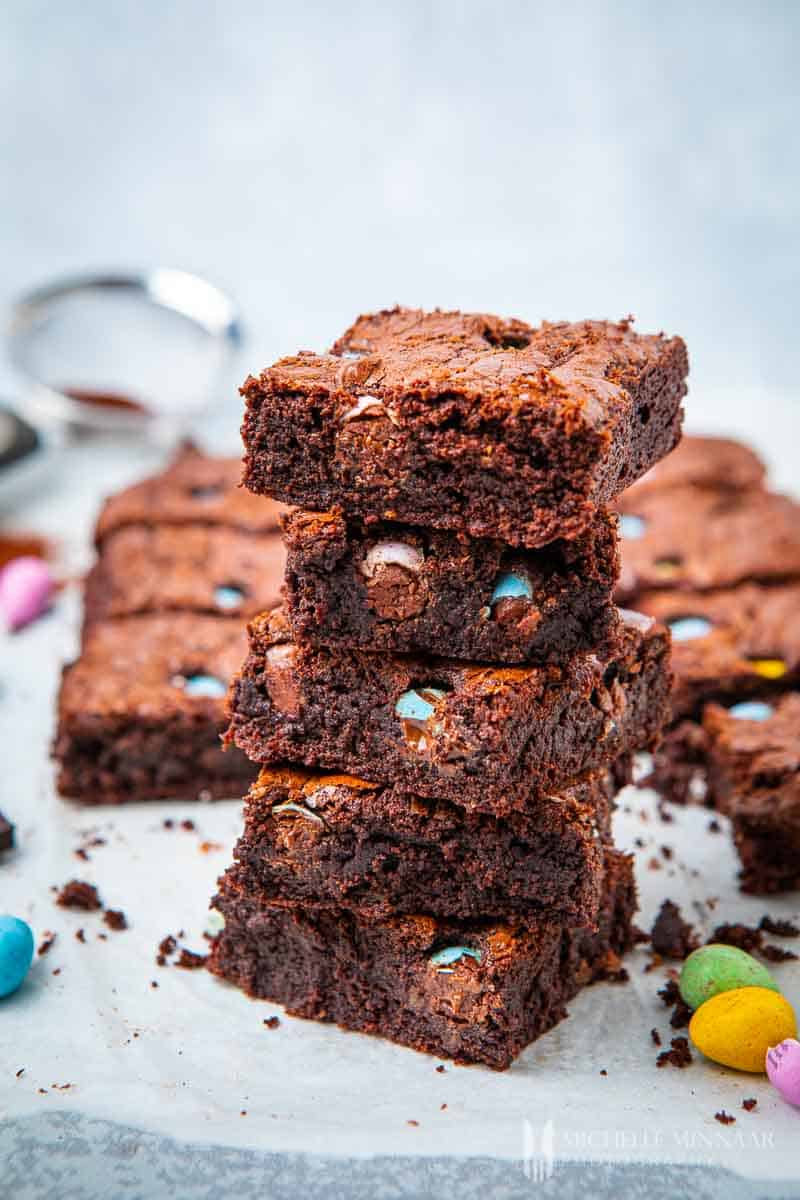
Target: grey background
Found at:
546, 160
319, 159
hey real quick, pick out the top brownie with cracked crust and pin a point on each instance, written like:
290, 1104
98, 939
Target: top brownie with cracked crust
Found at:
466, 421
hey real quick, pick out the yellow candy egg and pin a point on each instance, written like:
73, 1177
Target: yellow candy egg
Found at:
737, 1028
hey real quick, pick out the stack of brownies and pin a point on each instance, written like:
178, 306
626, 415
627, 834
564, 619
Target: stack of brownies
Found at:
715, 555
449, 700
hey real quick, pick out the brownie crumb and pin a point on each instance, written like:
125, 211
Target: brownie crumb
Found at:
414, 1123
667, 852
6, 834
272, 1022
190, 961
604, 1071
56, 971
441, 1069
166, 947
115, 919
775, 954
188, 825
672, 936
77, 894
168, 823
82, 854
20, 1073
782, 929
656, 1037
442, 1107
714, 826
80, 936
724, 1118
153, 983
681, 1012
742, 936
46, 943
749, 1105
654, 864
611, 970
679, 1055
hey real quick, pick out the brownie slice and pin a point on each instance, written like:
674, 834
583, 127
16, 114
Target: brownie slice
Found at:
195, 489
700, 540
141, 712
487, 738
335, 841
472, 991
190, 568
466, 422
705, 462
754, 756
729, 644
407, 588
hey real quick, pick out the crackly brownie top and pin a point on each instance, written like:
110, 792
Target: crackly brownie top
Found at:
708, 462
196, 488
701, 539
757, 742
152, 668
582, 371
305, 804
147, 568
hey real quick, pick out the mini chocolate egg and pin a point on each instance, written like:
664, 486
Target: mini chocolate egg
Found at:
205, 686
511, 586
16, 953
227, 595
445, 959
685, 629
751, 710
783, 1069
769, 668
631, 527
718, 968
737, 1028
25, 589
418, 704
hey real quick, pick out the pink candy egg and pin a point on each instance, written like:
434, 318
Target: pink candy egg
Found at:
25, 589
783, 1069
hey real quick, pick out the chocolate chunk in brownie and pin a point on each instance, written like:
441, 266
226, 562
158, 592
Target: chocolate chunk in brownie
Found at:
474, 991
698, 540
466, 422
407, 588
191, 568
487, 738
141, 712
704, 462
195, 489
335, 841
729, 644
754, 757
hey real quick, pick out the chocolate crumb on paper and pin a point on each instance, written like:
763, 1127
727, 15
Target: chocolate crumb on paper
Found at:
679, 1055
724, 1118
80, 895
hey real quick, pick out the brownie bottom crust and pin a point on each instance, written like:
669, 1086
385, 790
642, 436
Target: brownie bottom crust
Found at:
475, 992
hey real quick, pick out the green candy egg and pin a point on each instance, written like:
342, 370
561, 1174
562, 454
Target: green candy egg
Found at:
719, 968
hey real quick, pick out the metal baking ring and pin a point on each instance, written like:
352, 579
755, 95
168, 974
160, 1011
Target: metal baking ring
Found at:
180, 292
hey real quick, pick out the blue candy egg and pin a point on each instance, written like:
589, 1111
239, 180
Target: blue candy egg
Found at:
445, 959
16, 953
751, 710
228, 596
418, 704
207, 686
683, 629
631, 527
511, 586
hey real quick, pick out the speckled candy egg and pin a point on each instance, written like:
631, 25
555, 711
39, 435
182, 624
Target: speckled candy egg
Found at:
737, 1028
16, 953
783, 1069
718, 968
26, 586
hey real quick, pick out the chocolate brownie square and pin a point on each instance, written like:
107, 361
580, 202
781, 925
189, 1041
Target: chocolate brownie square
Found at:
195, 489
474, 991
334, 841
466, 422
705, 462
406, 588
701, 540
210, 569
141, 711
754, 755
489, 738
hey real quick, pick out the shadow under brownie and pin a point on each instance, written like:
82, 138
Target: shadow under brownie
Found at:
471, 991
403, 588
